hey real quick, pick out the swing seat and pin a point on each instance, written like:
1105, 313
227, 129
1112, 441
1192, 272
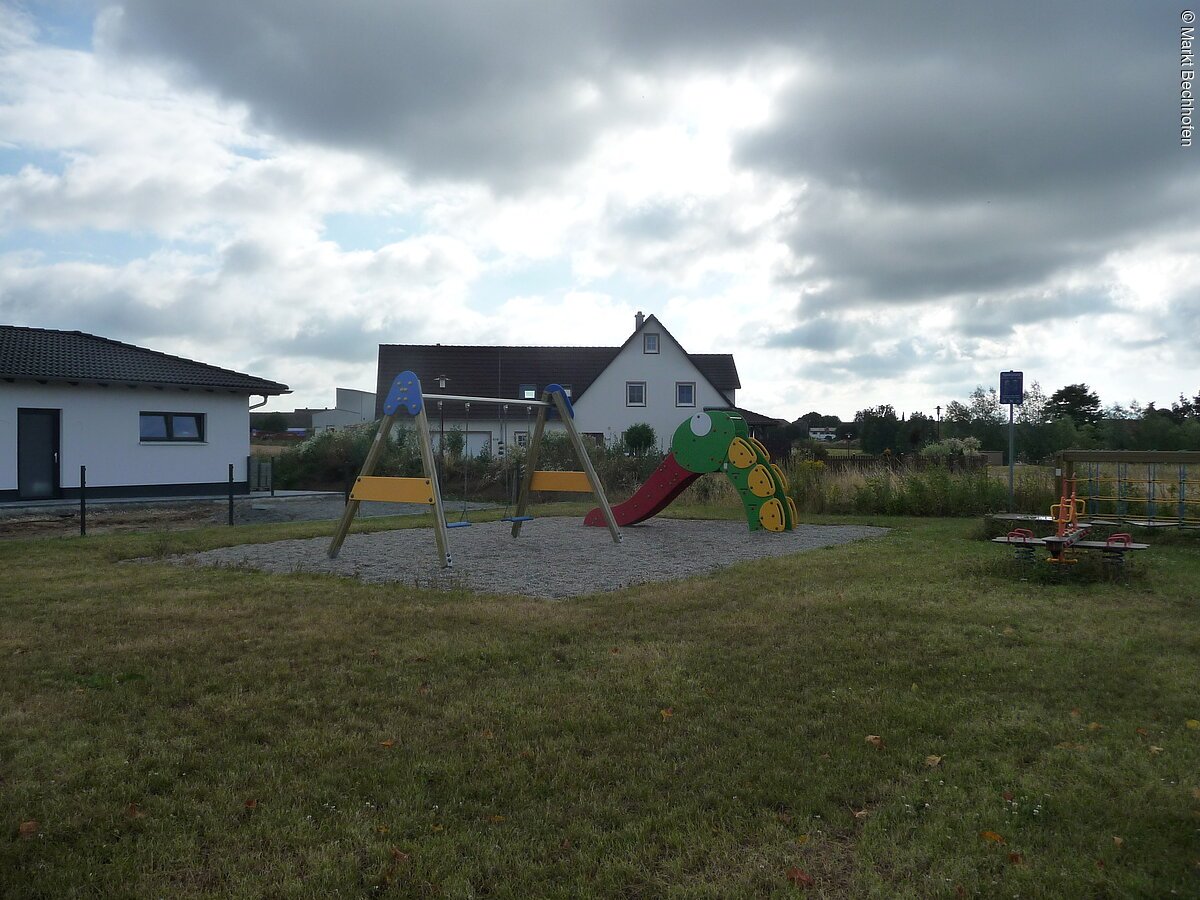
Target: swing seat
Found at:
458, 524
517, 519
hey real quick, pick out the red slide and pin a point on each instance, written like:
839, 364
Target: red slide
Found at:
666, 483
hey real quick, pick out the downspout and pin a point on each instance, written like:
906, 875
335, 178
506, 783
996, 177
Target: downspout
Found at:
257, 405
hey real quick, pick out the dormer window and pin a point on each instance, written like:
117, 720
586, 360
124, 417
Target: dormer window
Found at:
527, 392
567, 389
649, 343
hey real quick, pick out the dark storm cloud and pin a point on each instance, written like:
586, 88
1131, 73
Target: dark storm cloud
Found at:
340, 339
82, 299
822, 333
997, 317
940, 151
893, 361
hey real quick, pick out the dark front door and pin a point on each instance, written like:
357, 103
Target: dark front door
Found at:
37, 454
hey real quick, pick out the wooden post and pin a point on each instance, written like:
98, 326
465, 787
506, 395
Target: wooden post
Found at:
531, 455
381, 438
589, 470
425, 441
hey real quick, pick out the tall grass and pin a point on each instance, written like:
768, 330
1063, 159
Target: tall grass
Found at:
818, 488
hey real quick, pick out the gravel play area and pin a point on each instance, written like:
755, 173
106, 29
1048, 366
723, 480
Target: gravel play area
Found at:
553, 557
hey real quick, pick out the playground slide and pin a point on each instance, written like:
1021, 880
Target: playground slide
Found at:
713, 441
666, 483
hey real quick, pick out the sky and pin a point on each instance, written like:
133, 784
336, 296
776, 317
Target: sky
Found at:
865, 203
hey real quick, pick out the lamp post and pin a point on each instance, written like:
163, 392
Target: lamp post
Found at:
442, 380
939, 432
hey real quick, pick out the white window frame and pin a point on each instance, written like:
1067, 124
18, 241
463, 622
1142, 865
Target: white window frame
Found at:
689, 384
521, 438
630, 384
646, 341
527, 392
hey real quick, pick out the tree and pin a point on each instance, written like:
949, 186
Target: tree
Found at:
1185, 408
640, 438
985, 406
1075, 402
1033, 410
274, 423
982, 418
878, 428
916, 432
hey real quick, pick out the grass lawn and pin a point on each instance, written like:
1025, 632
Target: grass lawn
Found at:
176, 732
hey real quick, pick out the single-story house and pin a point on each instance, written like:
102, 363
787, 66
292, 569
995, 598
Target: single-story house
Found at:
649, 379
144, 423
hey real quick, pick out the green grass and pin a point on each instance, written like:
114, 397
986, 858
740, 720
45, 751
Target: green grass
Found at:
185, 732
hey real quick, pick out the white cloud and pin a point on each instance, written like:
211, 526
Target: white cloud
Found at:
730, 173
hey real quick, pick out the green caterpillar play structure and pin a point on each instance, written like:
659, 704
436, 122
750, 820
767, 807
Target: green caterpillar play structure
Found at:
713, 441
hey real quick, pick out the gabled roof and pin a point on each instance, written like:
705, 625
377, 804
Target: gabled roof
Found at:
43, 354
500, 371
719, 368
491, 371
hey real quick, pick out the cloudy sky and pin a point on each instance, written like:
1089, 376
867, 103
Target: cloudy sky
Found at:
866, 203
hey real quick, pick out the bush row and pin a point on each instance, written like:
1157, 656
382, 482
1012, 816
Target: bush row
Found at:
330, 460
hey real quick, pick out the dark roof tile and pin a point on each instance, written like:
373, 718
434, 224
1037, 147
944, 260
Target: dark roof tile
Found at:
46, 354
500, 371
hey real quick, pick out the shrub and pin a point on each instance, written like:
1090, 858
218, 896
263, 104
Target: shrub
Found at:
333, 458
952, 448
640, 439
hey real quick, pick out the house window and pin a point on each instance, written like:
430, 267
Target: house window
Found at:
685, 393
649, 343
522, 438
567, 389
164, 427
528, 392
597, 437
635, 393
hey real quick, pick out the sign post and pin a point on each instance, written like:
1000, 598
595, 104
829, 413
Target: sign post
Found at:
1012, 392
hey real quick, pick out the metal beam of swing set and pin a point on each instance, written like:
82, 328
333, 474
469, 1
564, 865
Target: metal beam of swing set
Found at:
495, 401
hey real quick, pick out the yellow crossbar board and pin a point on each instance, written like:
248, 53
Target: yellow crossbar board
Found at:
392, 490
576, 482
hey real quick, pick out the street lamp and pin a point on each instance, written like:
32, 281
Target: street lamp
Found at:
939, 412
441, 380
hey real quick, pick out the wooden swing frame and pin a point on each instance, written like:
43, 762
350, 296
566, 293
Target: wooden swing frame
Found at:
406, 395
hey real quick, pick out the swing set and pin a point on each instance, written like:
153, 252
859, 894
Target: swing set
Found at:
406, 395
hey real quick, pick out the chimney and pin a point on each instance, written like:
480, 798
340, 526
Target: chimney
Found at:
638, 321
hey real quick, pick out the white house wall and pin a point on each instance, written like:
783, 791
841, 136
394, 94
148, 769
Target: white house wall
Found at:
484, 432
100, 429
360, 402
602, 408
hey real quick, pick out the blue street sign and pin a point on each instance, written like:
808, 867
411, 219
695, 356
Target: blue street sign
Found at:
1012, 388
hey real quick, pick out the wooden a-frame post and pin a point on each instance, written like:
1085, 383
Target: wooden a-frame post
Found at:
535, 445
428, 464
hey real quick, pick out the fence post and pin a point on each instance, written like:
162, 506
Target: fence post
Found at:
271, 473
231, 493
83, 501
